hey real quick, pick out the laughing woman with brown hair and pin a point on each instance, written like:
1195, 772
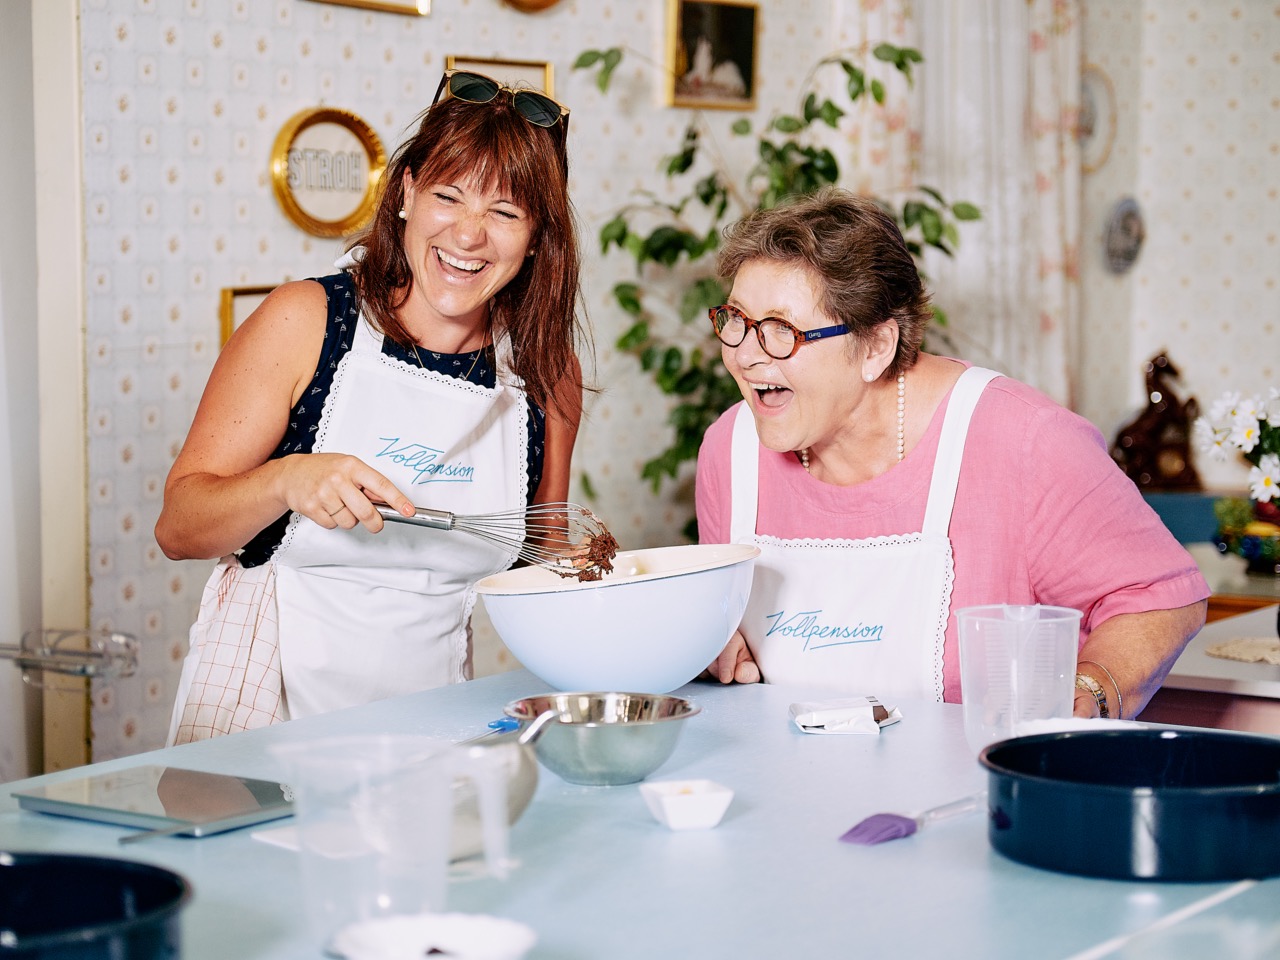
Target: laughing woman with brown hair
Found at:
438, 369
888, 487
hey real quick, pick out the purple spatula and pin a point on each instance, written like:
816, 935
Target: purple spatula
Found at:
880, 827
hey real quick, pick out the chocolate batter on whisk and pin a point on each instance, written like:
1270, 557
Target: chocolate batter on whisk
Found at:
594, 557
565, 538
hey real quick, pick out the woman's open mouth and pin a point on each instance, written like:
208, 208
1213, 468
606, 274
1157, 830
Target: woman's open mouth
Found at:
456, 265
771, 395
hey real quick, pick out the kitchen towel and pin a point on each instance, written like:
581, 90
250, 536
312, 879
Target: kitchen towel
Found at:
1247, 649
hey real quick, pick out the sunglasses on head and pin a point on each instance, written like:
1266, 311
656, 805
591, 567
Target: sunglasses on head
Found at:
537, 108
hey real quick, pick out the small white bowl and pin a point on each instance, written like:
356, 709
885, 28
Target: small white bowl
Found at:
687, 804
470, 936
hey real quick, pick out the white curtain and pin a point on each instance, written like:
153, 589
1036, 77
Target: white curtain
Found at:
1000, 88
881, 153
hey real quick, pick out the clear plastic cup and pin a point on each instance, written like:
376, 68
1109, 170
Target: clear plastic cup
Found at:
374, 816
1017, 663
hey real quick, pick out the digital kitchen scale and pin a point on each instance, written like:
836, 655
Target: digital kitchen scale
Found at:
169, 799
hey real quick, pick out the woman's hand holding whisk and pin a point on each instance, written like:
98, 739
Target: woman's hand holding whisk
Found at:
338, 490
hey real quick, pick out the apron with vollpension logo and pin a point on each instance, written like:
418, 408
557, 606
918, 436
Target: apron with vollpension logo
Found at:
359, 616
862, 617
366, 616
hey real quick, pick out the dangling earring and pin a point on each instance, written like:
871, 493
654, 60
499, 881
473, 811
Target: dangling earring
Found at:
403, 215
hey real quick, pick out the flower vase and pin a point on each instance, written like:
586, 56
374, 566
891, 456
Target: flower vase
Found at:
1247, 528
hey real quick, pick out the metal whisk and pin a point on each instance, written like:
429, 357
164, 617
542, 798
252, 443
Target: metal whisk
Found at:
566, 538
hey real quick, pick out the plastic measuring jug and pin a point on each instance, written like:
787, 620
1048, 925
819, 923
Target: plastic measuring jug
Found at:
374, 818
1017, 663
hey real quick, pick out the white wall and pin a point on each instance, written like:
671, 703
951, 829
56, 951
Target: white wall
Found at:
19, 448
1198, 146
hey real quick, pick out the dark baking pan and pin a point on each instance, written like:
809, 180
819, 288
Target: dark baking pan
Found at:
1143, 804
64, 907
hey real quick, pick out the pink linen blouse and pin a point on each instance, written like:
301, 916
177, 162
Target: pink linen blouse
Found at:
1042, 514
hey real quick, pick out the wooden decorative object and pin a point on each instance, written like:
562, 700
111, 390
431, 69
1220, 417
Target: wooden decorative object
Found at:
1154, 449
532, 6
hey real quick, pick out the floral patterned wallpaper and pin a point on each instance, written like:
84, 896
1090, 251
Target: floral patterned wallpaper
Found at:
183, 99
182, 102
1197, 145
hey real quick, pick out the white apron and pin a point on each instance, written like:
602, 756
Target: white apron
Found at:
362, 617
855, 616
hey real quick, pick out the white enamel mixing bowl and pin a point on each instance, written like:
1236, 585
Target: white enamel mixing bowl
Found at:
650, 626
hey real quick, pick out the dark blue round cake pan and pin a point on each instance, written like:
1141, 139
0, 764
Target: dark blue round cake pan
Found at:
57, 906
1142, 804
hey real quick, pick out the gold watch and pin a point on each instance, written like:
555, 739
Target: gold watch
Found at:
1087, 683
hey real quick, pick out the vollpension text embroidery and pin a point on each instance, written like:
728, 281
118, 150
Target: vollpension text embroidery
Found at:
807, 625
425, 462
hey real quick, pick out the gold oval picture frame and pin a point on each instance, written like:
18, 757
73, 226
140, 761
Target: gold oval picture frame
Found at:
1097, 124
326, 171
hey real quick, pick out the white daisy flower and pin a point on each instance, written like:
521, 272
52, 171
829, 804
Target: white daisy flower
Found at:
1273, 408
1245, 431
1225, 408
1264, 479
1210, 439
1250, 408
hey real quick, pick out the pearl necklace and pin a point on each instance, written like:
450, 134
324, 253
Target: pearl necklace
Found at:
902, 420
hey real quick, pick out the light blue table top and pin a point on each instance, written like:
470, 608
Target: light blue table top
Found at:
1195, 669
598, 877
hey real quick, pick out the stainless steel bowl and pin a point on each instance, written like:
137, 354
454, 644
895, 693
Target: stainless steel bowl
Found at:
605, 739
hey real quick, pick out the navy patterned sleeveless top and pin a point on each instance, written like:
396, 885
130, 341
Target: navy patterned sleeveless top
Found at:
299, 437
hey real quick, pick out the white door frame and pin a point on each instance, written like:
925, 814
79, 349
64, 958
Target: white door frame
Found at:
60, 315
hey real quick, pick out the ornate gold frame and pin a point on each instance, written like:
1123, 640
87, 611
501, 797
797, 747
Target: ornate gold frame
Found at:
674, 66
227, 307
1095, 148
372, 145
493, 68
412, 8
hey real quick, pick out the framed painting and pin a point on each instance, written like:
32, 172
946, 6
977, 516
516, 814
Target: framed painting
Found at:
529, 74
711, 53
236, 305
413, 8
326, 171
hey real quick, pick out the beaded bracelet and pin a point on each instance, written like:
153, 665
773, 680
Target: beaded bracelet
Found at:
1115, 686
1086, 682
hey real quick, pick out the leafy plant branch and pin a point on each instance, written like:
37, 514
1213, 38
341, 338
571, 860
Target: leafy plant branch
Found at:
666, 238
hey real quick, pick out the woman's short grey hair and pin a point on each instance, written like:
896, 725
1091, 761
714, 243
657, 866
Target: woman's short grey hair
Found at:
853, 249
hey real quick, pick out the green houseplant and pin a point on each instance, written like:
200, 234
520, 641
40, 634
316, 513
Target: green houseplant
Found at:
673, 242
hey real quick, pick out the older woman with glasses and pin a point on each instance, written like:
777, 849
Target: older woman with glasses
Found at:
887, 488
438, 369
